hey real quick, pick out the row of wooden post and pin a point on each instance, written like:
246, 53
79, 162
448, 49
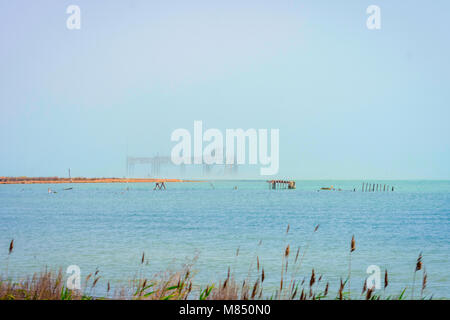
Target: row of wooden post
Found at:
159, 186
372, 187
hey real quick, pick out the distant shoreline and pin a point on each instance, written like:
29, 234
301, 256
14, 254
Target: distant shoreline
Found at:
53, 180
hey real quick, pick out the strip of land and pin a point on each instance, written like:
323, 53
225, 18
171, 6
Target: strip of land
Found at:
43, 180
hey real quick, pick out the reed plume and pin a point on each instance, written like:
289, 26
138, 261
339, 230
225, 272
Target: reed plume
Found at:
286, 252
313, 278
255, 287
11, 247
10, 250
419, 262
325, 293
179, 286
418, 268
369, 293
341, 289
424, 282
386, 280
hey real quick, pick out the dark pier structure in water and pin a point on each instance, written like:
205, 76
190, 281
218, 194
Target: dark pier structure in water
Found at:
281, 184
376, 187
160, 186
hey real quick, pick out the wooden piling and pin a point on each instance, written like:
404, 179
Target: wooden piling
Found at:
281, 184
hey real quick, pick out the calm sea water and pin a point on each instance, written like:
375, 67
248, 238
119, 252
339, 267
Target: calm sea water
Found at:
106, 227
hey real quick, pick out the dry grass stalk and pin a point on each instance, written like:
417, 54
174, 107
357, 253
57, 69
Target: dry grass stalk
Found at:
424, 282
352, 248
364, 287
302, 295
43, 286
255, 287
369, 293
296, 256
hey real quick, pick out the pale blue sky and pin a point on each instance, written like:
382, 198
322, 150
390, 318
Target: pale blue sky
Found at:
350, 103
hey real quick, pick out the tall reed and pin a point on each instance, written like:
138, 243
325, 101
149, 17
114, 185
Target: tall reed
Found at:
418, 268
179, 285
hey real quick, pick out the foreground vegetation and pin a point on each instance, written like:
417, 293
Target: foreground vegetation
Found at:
49, 285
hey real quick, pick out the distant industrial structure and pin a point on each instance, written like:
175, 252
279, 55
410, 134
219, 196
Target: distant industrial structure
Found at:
155, 164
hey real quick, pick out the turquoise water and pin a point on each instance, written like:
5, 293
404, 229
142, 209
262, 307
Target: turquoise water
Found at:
106, 227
